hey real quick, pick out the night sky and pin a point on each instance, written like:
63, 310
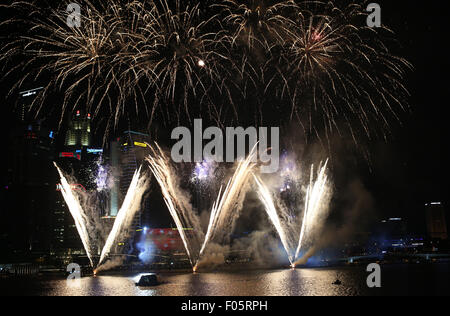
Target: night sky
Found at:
412, 168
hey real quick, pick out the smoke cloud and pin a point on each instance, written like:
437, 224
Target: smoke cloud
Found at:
356, 214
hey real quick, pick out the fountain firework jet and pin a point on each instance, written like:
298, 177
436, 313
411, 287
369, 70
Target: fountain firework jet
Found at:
176, 201
315, 203
267, 200
228, 200
77, 213
126, 213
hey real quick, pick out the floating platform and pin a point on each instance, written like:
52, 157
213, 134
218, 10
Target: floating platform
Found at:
149, 280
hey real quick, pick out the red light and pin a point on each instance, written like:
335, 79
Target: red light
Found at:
67, 155
78, 187
30, 135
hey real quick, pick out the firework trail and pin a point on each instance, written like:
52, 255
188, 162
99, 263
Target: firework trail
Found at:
126, 213
228, 200
77, 213
266, 198
83, 221
181, 210
176, 201
315, 205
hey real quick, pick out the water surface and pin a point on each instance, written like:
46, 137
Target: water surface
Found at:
396, 280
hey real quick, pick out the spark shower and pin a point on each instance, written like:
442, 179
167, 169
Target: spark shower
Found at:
88, 229
316, 63
227, 207
231, 201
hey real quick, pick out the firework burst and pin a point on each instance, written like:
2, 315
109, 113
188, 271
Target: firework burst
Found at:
255, 30
309, 61
339, 74
176, 55
89, 64
138, 53
262, 23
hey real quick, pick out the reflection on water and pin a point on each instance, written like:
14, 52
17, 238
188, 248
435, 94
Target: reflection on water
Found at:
401, 280
257, 283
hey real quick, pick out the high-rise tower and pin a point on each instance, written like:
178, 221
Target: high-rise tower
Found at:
436, 222
79, 132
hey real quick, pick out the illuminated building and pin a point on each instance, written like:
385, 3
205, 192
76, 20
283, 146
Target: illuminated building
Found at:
114, 196
436, 221
25, 102
128, 153
79, 132
133, 153
85, 163
78, 153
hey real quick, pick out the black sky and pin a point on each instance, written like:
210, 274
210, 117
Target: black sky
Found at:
413, 167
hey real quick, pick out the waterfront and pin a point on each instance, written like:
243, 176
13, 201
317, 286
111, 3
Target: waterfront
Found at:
429, 279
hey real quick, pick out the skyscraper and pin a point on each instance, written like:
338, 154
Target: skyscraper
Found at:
79, 132
65, 236
25, 103
436, 221
30, 179
128, 153
114, 159
133, 152
78, 154
88, 177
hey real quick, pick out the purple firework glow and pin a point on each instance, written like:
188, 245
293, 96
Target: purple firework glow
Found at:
203, 171
102, 178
